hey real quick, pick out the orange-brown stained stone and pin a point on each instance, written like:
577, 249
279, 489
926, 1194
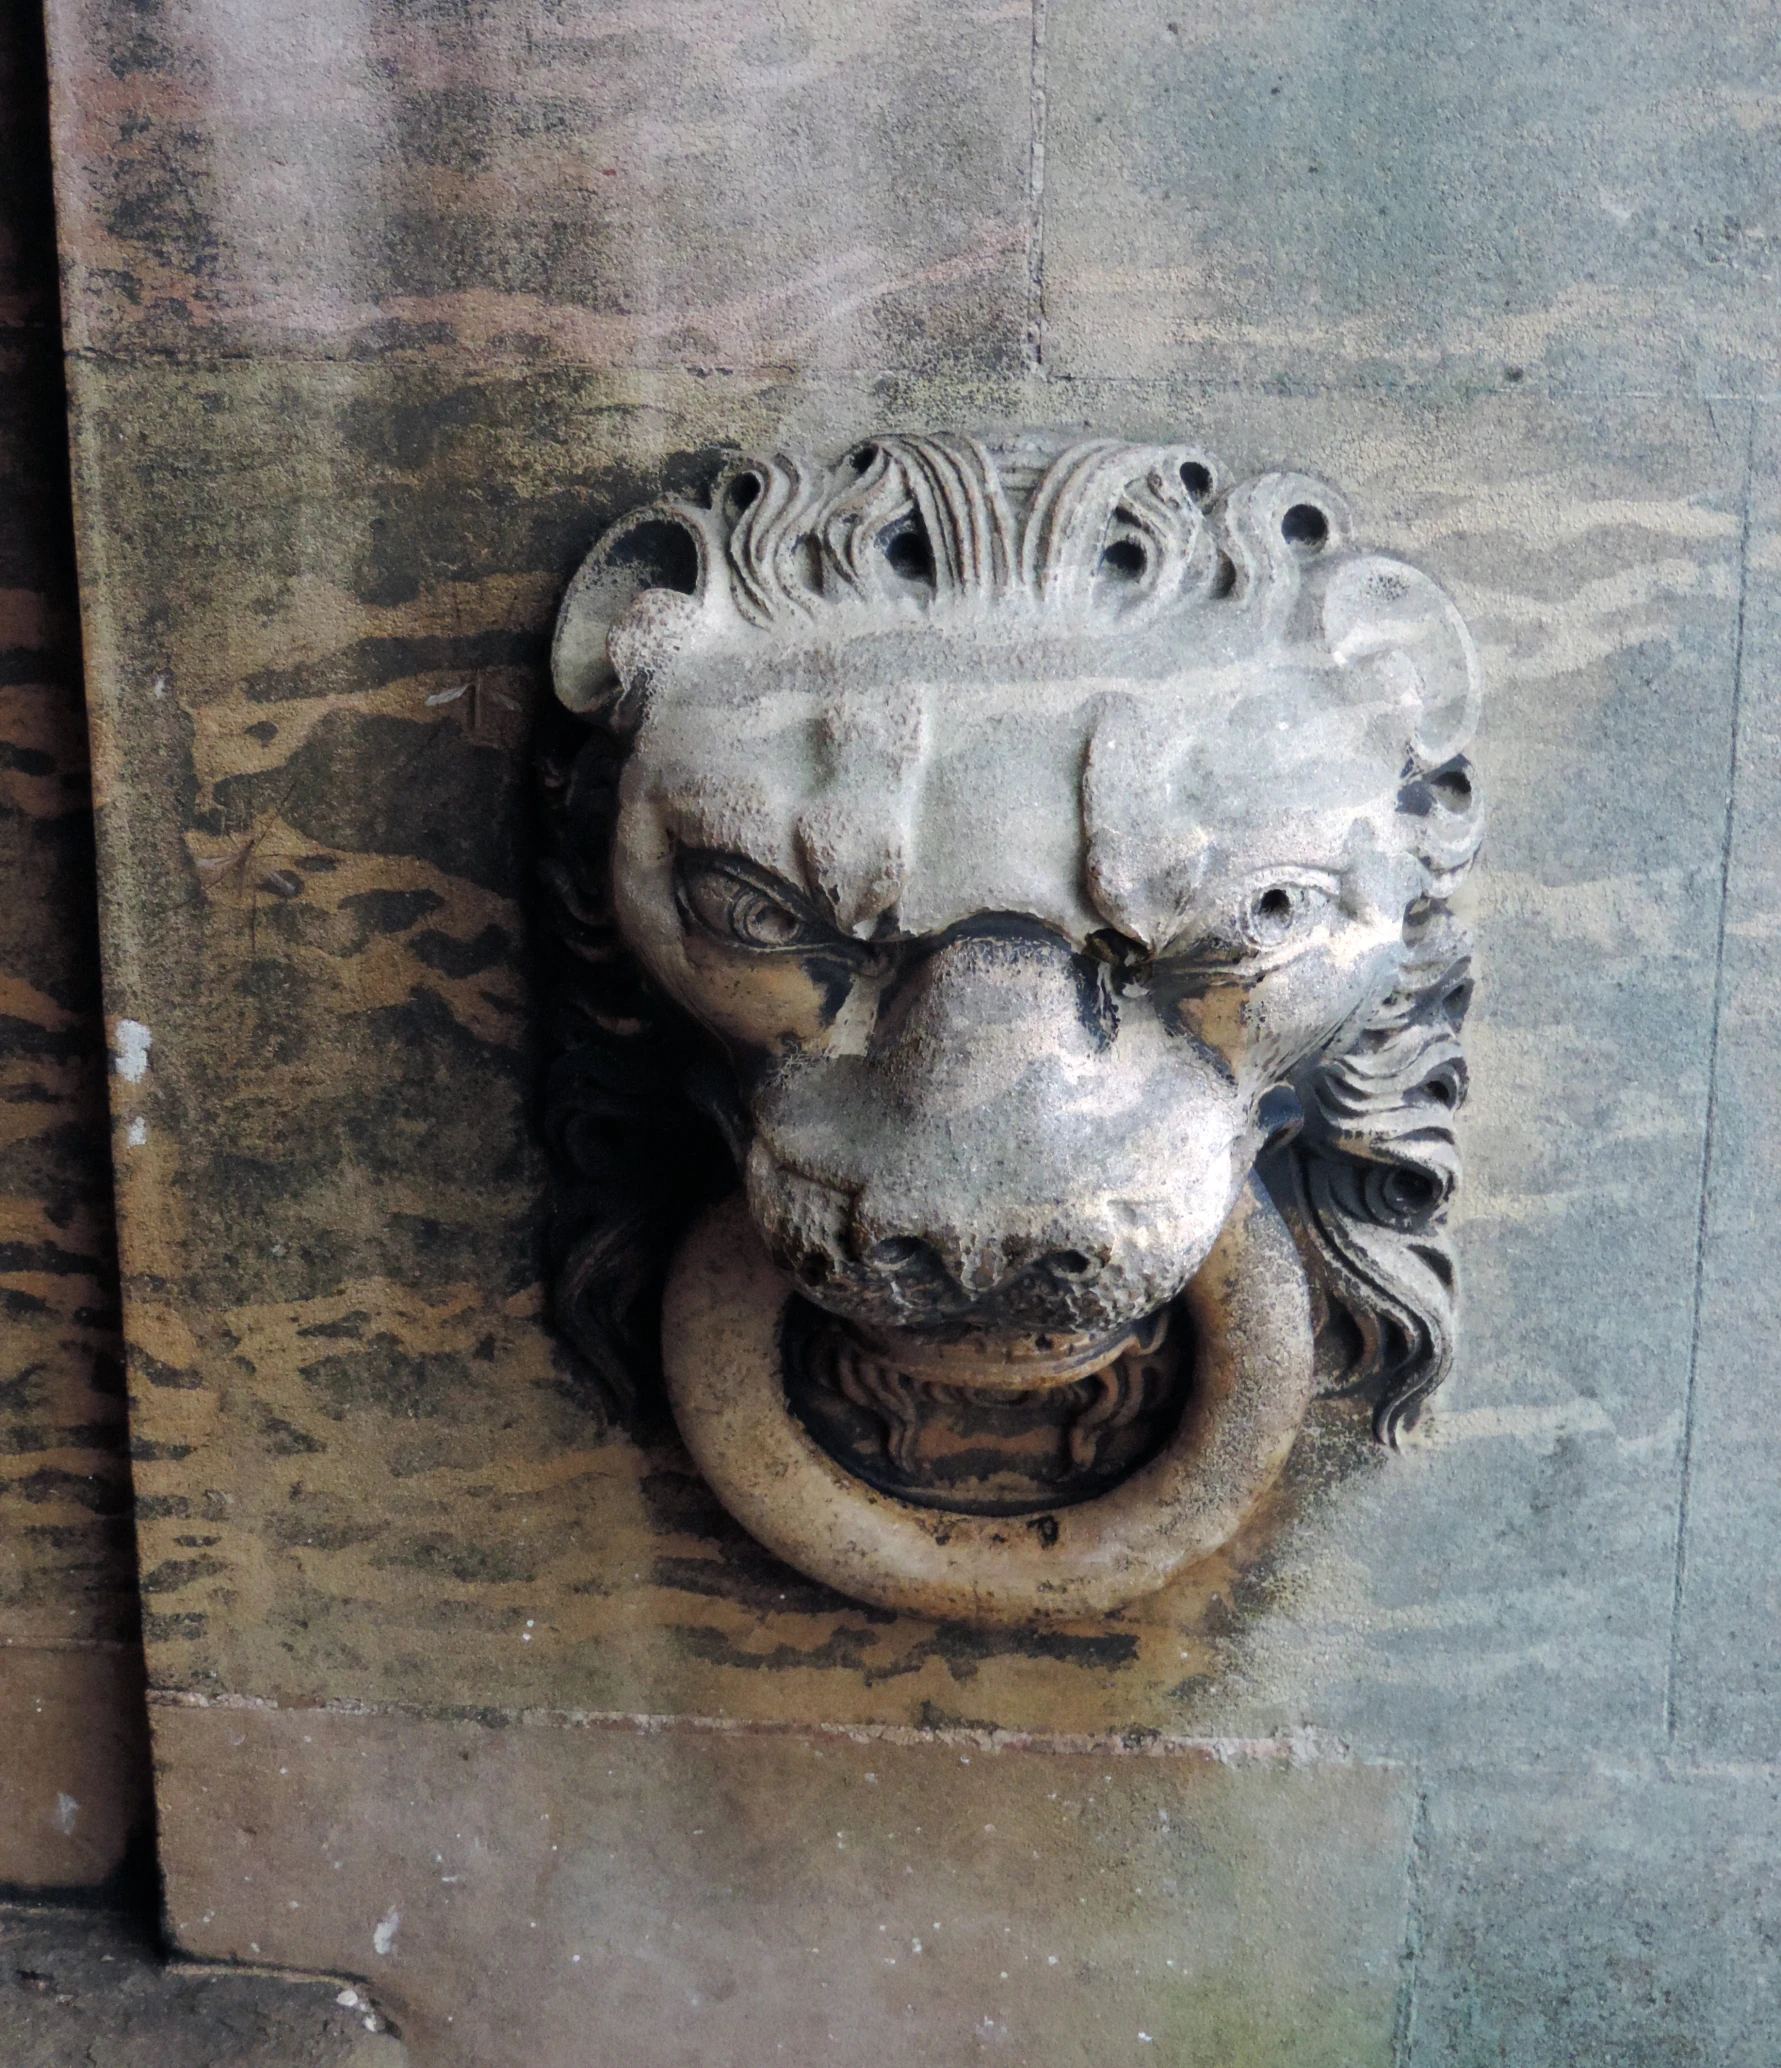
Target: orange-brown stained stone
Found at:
736, 1898
643, 184
73, 1766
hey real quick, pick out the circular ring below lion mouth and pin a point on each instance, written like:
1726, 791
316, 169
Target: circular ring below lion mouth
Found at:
721, 1332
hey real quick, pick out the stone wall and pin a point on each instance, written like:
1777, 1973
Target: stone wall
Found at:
374, 316
73, 1752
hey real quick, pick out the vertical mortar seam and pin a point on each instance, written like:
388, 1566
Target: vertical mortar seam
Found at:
1033, 343
1711, 1119
1403, 2036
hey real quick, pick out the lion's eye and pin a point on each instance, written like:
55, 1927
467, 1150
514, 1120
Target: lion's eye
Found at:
735, 908
1261, 925
1275, 913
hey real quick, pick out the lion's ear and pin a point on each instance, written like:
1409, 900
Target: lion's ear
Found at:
636, 596
1407, 633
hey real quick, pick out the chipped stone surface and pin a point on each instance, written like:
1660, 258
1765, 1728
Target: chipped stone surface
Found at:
731, 1898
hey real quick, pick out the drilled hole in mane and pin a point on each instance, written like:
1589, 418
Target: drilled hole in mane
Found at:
1455, 1002
862, 457
1224, 581
1196, 479
744, 490
1454, 788
1124, 560
908, 554
662, 553
1306, 526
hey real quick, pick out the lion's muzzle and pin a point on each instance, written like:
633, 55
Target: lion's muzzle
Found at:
1020, 1145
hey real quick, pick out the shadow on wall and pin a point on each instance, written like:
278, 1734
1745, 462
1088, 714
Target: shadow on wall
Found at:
74, 1796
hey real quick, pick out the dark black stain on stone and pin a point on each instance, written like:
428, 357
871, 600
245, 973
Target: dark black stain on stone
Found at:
174, 1573
178, 1629
349, 1328
385, 1378
373, 663
846, 1648
285, 1440
762, 1585
392, 911
454, 958
407, 1094
98, 1494
164, 1375
26, 1041
301, 1531
163, 1507
462, 1558
371, 784
47, 1257
962, 1650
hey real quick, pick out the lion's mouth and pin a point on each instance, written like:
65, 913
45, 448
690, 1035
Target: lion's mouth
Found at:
966, 1353
984, 1423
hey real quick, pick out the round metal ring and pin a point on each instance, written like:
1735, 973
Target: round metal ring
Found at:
1253, 1376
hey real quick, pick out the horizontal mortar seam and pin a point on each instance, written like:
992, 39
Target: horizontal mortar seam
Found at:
1416, 385
1312, 1748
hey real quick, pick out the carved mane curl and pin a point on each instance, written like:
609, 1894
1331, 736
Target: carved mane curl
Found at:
640, 1121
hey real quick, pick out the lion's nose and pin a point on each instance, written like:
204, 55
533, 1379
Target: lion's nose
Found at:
989, 1267
984, 1266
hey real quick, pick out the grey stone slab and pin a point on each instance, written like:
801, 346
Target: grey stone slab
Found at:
728, 1899
1362, 195
1727, 1698
802, 186
1628, 1920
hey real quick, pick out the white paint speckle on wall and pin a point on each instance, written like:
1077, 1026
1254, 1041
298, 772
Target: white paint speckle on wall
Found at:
132, 1041
67, 1812
383, 1937
138, 1132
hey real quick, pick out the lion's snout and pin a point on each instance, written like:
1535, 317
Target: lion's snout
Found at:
1018, 1146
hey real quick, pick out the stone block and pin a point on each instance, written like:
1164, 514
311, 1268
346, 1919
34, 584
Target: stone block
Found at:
364, 1475
1381, 197
670, 185
1726, 1702
73, 1764
82, 1986
732, 1898
1614, 1920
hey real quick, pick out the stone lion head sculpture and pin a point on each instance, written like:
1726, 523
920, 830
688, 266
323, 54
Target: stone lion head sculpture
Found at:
1004, 868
